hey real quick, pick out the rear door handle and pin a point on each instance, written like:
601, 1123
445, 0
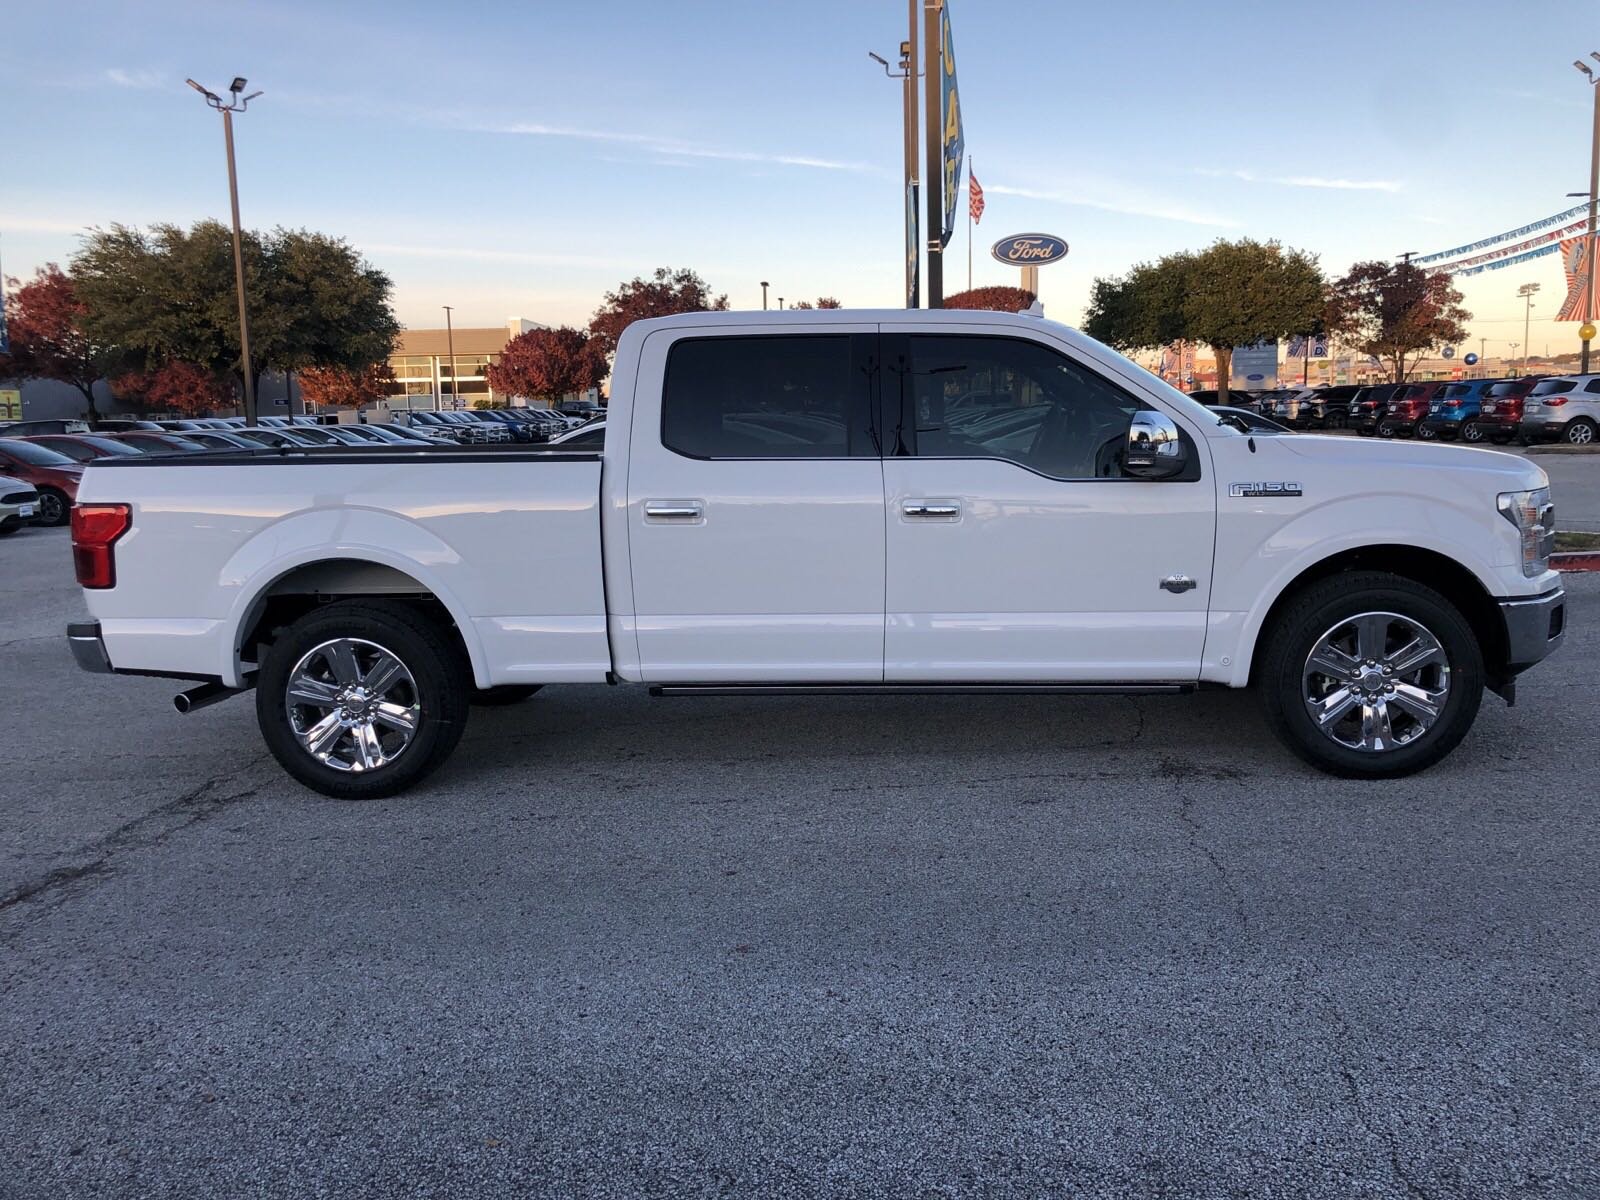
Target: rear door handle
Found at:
672, 510
931, 508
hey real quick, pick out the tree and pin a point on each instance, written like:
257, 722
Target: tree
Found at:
995, 299
822, 302
50, 338
1393, 311
341, 387
168, 295
1229, 294
548, 364
666, 293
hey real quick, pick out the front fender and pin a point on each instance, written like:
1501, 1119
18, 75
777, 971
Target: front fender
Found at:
1256, 565
361, 534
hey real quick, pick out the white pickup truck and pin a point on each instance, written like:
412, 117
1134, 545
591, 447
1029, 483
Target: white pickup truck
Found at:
832, 502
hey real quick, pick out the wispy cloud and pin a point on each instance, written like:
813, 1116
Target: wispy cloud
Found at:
10, 223
676, 148
1309, 181
483, 254
1128, 205
142, 79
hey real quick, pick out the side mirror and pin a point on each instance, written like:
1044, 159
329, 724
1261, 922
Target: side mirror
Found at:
1155, 448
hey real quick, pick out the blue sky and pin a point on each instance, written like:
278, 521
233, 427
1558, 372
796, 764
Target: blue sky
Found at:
521, 158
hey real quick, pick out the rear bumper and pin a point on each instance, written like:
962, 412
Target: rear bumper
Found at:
88, 648
1534, 628
1540, 431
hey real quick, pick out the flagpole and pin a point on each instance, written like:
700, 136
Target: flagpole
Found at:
969, 223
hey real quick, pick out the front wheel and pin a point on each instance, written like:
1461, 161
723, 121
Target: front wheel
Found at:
1427, 433
54, 507
1370, 675
362, 698
1579, 433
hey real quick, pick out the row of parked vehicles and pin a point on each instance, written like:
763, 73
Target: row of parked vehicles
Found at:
42, 461
1532, 408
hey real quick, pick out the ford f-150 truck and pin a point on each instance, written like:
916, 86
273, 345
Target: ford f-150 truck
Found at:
831, 502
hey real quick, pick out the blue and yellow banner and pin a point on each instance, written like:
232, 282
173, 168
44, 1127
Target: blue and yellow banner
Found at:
955, 146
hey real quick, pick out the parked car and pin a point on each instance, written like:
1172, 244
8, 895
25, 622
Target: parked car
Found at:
1210, 397
1500, 410
1406, 407
1327, 407
43, 425
278, 436
397, 434
19, 504
591, 436
1288, 405
221, 439
1453, 413
158, 443
1566, 407
1367, 410
757, 533
81, 447
123, 425
54, 476
428, 424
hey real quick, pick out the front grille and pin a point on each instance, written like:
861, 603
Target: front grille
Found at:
19, 498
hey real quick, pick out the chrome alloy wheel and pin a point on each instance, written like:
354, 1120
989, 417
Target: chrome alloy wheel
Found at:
352, 704
1580, 433
1375, 681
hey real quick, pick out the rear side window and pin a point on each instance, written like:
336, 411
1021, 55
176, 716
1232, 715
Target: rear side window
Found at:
1456, 389
1551, 387
765, 397
1593, 385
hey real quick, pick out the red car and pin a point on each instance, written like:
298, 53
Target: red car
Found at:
82, 447
1500, 414
1407, 407
54, 476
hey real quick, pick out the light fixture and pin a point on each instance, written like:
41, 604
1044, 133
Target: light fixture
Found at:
237, 85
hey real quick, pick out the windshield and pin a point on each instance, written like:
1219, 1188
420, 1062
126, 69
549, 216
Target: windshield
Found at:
35, 456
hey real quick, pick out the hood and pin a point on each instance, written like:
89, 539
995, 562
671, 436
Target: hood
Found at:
9, 483
1505, 472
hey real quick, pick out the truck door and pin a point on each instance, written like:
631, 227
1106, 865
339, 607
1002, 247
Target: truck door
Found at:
1016, 550
755, 507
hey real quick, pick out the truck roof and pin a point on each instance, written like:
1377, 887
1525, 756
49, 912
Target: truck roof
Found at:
849, 316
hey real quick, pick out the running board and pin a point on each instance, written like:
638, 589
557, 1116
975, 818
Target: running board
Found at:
920, 689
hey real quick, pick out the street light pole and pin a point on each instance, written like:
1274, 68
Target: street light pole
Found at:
237, 104
450, 340
1527, 291
1593, 241
763, 295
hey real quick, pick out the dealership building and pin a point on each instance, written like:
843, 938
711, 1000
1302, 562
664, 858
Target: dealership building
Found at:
423, 372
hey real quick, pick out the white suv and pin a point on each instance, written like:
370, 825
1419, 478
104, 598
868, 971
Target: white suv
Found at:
1565, 408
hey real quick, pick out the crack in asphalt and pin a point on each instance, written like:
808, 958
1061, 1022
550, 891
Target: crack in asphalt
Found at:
1358, 1102
1176, 771
95, 859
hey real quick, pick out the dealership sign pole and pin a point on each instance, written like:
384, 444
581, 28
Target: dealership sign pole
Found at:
1029, 251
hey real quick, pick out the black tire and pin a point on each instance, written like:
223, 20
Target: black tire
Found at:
8, 530
1334, 420
1580, 432
54, 507
1320, 608
1502, 439
507, 693
1472, 432
1427, 434
440, 680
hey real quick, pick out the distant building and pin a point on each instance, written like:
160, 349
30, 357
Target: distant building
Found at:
422, 370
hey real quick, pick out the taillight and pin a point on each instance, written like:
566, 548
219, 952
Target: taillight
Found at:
1452, 404
1554, 401
95, 529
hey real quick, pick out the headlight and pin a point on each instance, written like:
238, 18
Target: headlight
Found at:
1535, 518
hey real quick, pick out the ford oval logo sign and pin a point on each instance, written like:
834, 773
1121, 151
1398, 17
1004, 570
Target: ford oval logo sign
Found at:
1029, 250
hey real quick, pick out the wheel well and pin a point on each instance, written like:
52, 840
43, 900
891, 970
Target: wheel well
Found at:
308, 587
1441, 573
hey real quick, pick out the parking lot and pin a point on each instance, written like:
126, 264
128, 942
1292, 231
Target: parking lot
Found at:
912, 946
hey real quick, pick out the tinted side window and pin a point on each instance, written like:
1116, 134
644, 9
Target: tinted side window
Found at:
996, 397
763, 397
1592, 386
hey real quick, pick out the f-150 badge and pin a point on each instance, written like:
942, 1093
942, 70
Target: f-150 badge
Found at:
1249, 491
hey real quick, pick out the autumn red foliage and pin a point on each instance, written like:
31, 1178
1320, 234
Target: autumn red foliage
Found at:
548, 364
45, 320
996, 299
666, 293
337, 387
179, 387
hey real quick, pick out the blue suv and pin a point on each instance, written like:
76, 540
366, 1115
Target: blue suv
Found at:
1453, 412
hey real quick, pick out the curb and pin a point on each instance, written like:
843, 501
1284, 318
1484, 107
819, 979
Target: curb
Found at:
1576, 561
1561, 449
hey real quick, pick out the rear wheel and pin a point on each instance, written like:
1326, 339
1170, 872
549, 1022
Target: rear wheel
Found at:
54, 507
1371, 675
362, 698
1471, 432
1427, 433
1579, 433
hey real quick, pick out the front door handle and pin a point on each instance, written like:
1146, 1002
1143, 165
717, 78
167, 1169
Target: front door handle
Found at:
931, 508
672, 510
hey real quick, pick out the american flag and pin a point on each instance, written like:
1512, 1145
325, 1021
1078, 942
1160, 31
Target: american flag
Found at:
974, 197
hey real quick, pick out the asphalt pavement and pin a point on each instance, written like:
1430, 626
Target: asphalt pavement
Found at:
918, 946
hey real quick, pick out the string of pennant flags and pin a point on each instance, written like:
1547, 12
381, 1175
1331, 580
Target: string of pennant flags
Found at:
1458, 251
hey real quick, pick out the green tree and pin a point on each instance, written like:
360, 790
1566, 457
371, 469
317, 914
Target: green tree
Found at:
167, 294
1396, 311
1229, 294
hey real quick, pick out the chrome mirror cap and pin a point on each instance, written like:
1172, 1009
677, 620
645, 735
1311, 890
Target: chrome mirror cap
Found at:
1155, 448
